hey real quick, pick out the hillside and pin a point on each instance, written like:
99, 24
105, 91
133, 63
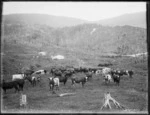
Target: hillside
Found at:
133, 19
89, 37
42, 19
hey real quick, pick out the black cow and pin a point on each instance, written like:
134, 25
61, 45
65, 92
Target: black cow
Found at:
118, 72
57, 73
63, 78
130, 73
28, 72
10, 85
82, 80
123, 72
69, 73
20, 83
116, 79
89, 75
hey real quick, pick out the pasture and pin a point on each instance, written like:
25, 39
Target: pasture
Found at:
132, 93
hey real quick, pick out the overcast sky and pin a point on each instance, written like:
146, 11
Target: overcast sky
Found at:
90, 11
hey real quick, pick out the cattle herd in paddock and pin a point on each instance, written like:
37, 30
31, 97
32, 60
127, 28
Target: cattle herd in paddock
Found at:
57, 75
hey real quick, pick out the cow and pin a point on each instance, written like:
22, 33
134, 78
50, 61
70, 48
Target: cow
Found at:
57, 73
42, 72
69, 73
106, 71
18, 76
89, 74
20, 83
28, 72
29, 78
119, 72
116, 79
98, 72
129, 73
53, 82
33, 81
84, 70
107, 78
42, 53
77, 70
82, 80
63, 78
10, 85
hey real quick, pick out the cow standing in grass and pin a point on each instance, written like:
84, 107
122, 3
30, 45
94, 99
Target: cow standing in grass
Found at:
129, 73
28, 72
107, 78
20, 79
10, 85
33, 81
82, 80
20, 83
18, 76
40, 72
53, 82
116, 79
89, 75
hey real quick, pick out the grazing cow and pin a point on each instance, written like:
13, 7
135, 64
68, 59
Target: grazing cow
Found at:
10, 85
89, 75
18, 76
42, 72
116, 79
82, 80
53, 82
57, 73
129, 73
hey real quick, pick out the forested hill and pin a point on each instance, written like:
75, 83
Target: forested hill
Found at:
93, 37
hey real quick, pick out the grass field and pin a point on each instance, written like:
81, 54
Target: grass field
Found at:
132, 93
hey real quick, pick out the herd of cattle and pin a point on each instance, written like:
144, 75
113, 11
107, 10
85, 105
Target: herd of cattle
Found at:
62, 74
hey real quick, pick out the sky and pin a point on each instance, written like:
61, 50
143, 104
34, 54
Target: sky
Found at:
90, 11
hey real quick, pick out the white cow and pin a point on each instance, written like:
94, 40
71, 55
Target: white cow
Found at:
17, 76
106, 71
108, 78
57, 57
53, 82
42, 72
42, 53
